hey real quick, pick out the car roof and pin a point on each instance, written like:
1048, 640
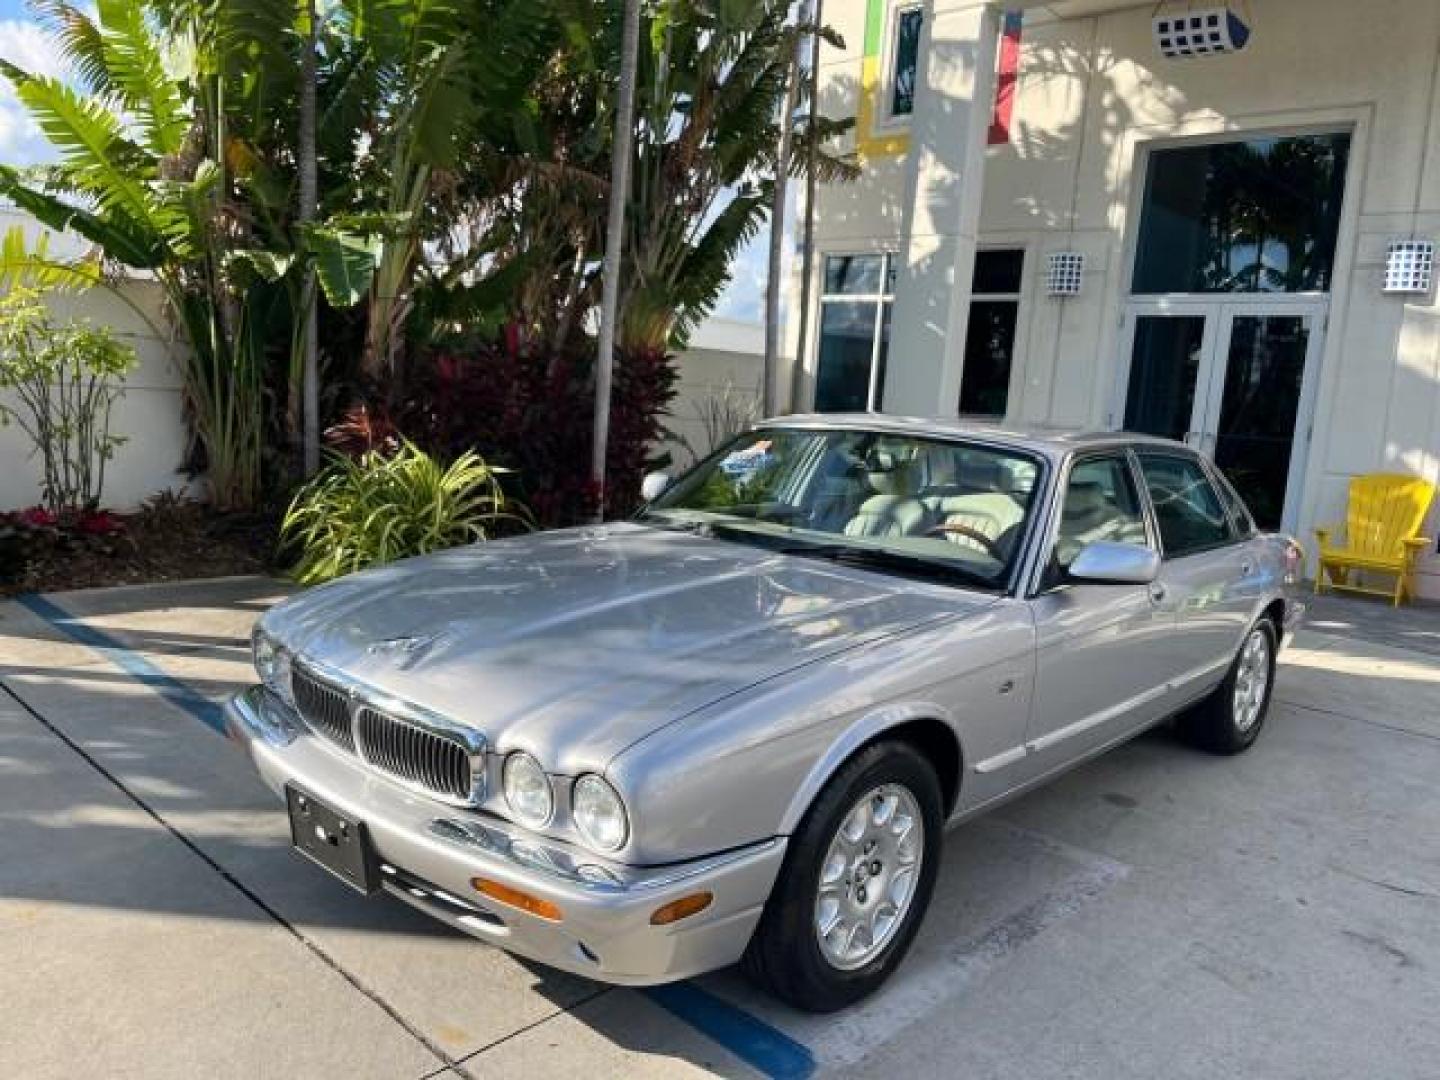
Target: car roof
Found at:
1054, 442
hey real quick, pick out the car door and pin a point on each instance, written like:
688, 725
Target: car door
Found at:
1101, 668
1207, 581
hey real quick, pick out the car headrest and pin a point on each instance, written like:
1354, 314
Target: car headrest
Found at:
1084, 499
886, 476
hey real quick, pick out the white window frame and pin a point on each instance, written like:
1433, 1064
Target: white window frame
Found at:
1017, 297
888, 119
879, 299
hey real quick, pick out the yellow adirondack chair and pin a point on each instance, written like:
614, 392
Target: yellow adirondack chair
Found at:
1382, 528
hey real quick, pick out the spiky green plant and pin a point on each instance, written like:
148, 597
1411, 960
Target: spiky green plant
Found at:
379, 508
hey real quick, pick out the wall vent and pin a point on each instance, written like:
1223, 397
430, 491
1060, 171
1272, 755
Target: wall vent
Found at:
1410, 266
1207, 31
1064, 273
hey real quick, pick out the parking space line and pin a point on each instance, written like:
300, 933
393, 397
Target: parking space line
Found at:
765, 1048
138, 667
960, 968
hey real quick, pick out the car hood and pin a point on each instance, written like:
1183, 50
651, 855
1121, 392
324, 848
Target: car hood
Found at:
574, 644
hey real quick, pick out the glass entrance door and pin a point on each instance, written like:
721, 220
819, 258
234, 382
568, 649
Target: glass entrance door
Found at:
1230, 379
1251, 430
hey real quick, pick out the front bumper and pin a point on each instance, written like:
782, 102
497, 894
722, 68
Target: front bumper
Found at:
429, 852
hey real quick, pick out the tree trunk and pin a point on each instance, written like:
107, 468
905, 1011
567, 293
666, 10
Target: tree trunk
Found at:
309, 197
807, 247
614, 238
777, 230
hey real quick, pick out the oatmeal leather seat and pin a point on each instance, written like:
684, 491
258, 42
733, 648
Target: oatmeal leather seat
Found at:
980, 501
894, 509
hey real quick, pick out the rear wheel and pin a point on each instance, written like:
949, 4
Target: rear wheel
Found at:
1230, 719
856, 882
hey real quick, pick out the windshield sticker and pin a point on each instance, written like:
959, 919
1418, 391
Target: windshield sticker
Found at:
741, 465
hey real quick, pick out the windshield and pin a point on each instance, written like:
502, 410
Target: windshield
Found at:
953, 510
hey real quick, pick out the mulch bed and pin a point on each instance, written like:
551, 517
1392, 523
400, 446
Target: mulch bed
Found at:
172, 541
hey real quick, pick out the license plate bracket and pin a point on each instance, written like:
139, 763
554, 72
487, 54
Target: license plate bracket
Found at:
334, 841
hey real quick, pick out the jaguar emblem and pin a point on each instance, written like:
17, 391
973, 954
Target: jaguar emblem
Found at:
404, 650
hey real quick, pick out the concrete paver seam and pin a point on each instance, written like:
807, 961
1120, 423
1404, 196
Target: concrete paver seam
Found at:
320, 954
458, 1066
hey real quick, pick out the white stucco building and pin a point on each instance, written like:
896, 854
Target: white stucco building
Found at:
1233, 213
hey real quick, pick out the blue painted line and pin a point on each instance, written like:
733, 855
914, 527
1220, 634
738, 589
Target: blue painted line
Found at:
209, 713
764, 1048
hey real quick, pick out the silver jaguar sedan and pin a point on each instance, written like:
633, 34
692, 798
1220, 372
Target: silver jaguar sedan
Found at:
735, 728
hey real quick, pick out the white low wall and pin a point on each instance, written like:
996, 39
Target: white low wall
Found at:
149, 415
725, 360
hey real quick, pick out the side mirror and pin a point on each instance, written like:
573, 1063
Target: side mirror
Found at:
1117, 564
654, 485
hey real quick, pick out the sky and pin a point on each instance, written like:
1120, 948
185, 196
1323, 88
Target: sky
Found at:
25, 44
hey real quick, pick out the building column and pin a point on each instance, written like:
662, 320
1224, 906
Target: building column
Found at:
944, 179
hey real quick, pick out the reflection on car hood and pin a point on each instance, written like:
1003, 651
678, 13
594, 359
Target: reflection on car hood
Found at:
574, 644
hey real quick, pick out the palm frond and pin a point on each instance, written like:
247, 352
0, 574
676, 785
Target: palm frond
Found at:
136, 72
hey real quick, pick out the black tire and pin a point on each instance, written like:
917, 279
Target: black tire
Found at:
784, 955
1214, 724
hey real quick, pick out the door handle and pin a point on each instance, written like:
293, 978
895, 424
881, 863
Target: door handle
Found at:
1246, 567
1157, 591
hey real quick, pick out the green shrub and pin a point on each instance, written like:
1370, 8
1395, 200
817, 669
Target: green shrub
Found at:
63, 382
383, 507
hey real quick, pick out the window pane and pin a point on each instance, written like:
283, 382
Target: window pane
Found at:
989, 347
907, 56
1256, 216
998, 271
847, 341
853, 273
1101, 504
1163, 368
1187, 508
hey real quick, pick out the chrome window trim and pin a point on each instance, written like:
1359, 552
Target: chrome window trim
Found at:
361, 695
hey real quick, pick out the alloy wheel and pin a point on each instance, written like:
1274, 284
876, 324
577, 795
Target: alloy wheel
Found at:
869, 876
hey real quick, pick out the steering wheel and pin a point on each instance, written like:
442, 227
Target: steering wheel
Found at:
955, 529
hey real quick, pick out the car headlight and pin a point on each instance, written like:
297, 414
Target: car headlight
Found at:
272, 663
527, 790
599, 813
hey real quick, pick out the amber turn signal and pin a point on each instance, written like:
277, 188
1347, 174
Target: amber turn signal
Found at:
541, 909
681, 909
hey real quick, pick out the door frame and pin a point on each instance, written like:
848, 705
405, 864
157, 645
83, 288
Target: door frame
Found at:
1219, 310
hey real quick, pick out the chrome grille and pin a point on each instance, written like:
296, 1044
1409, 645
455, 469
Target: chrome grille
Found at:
436, 762
324, 707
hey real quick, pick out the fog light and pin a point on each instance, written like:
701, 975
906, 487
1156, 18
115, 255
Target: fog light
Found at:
541, 909
681, 909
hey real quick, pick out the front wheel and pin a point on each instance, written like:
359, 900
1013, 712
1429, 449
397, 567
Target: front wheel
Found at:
1230, 719
856, 882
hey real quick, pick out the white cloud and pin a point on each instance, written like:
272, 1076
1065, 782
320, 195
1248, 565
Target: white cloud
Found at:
27, 46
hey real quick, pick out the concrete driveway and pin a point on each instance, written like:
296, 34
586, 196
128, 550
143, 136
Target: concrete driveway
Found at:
1158, 913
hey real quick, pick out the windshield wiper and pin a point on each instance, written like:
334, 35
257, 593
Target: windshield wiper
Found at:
883, 559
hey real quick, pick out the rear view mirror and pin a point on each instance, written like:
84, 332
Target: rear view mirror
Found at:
1118, 564
654, 485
